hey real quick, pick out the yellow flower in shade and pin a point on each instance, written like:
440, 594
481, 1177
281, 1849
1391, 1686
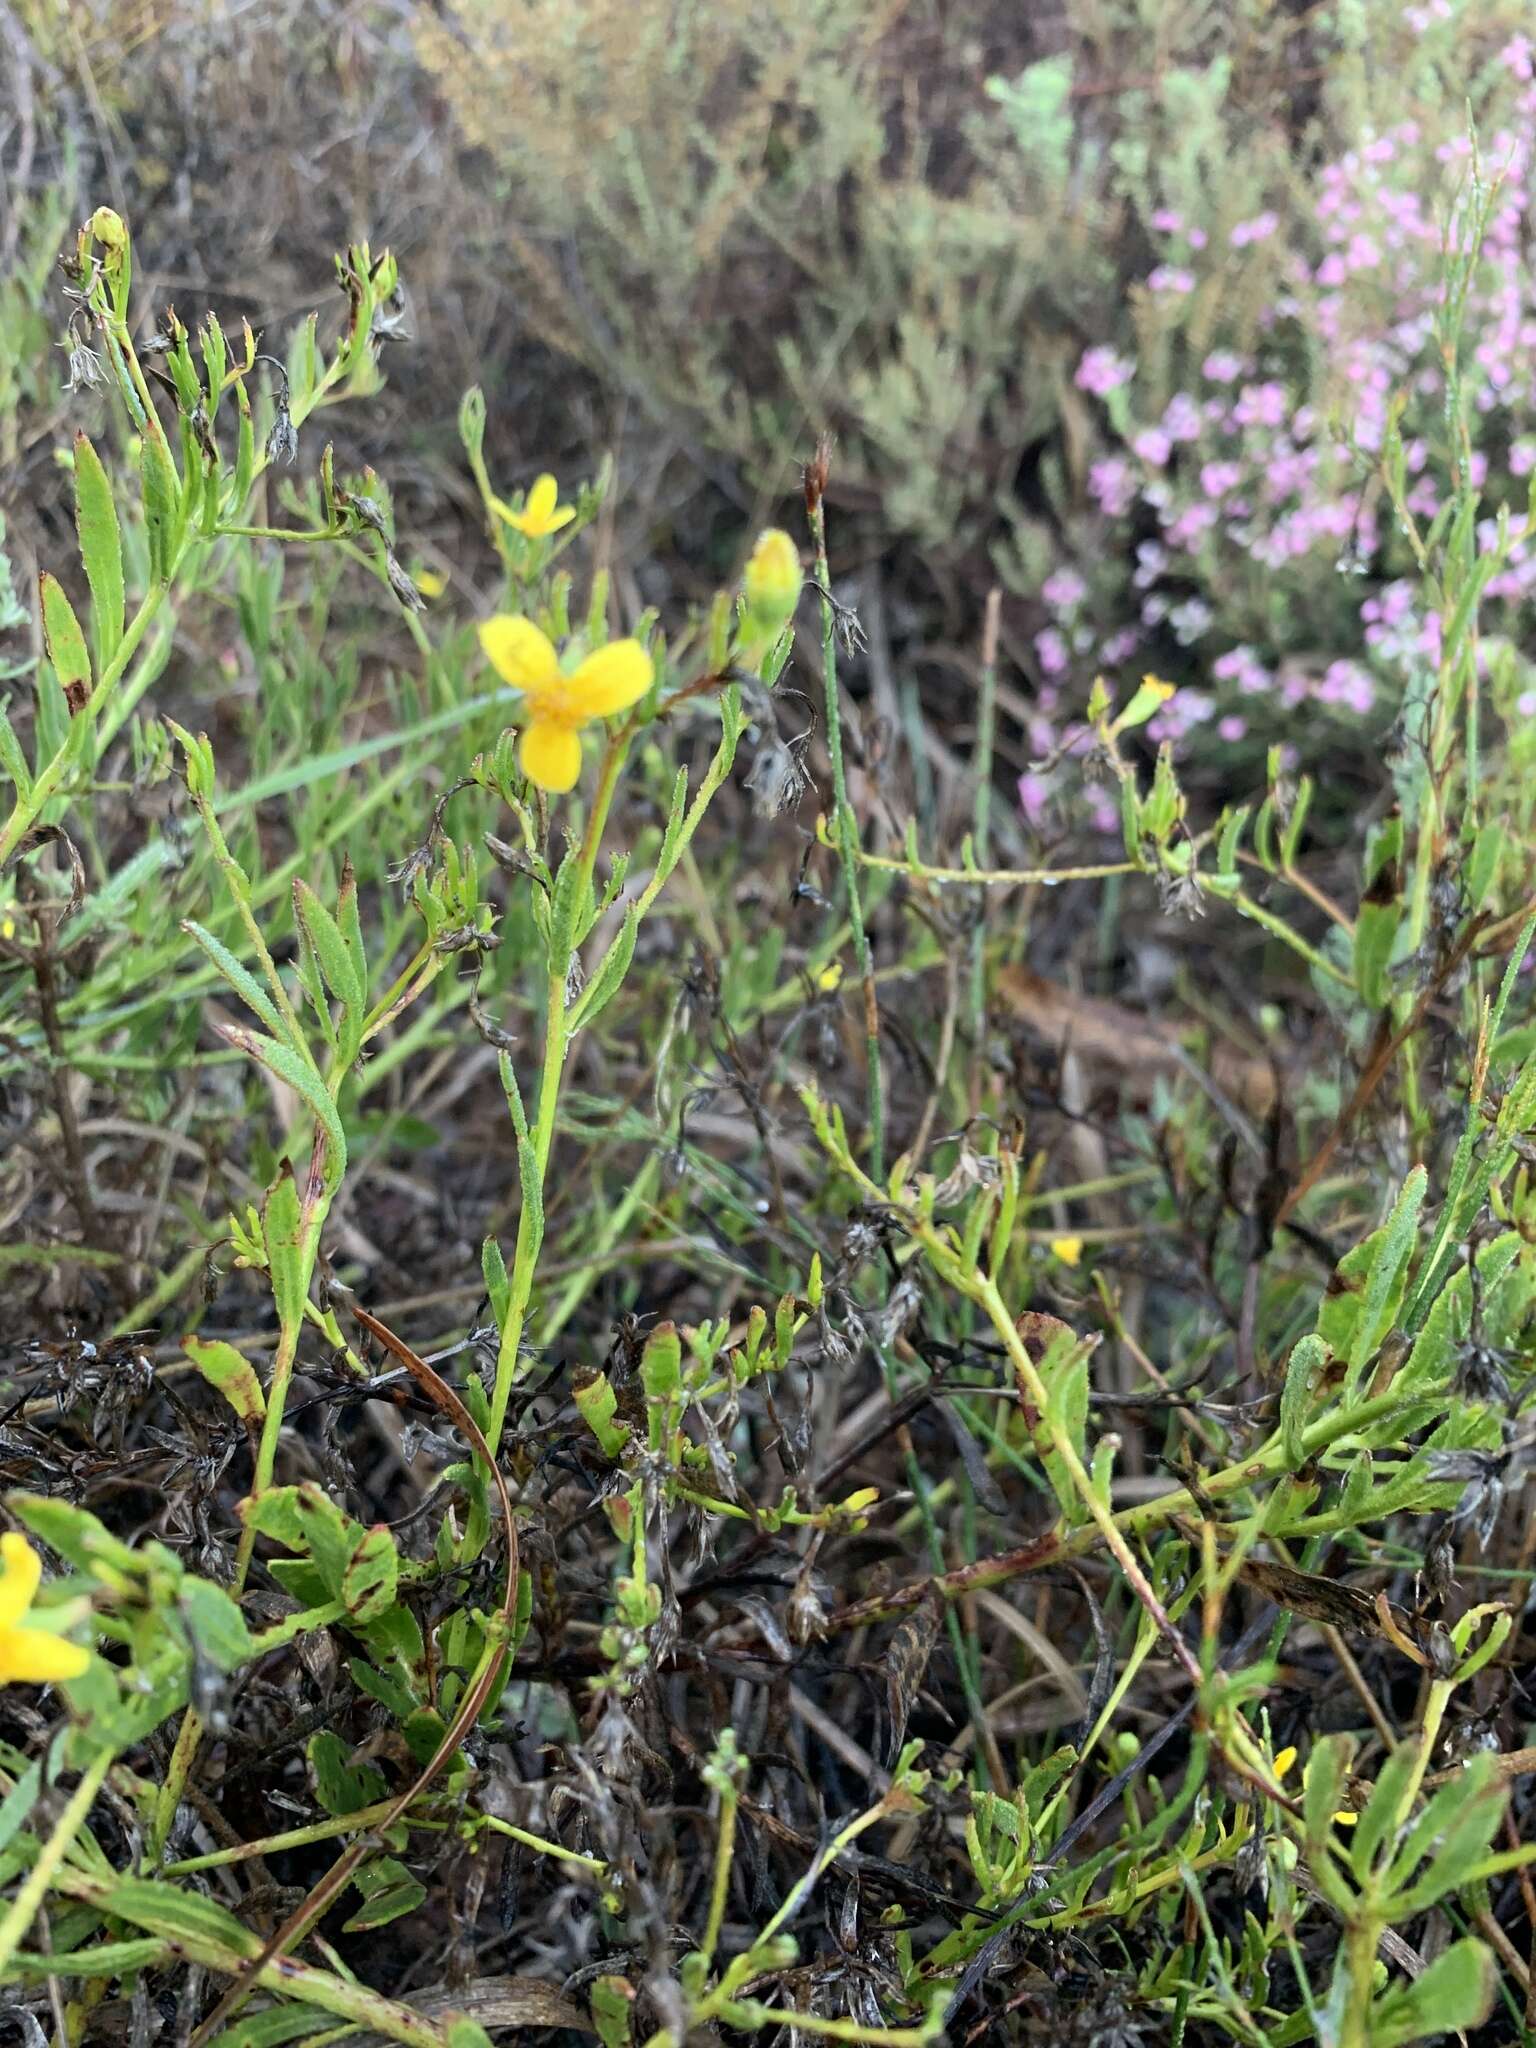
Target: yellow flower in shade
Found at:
542, 512
559, 705
1284, 1759
29, 1656
1068, 1249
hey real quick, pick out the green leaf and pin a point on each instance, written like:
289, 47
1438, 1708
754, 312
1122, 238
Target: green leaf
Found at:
467, 2033
1454, 1995
12, 759
161, 498
1064, 1369
241, 980
104, 1959
371, 1578
75, 1533
283, 1227
278, 2024
299, 1071
341, 1786
335, 956
609, 978
18, 1803
612, 2001
388, 1890
101, 548
225, 1370
215, 1623
181, 1915
1388, 1276
1303, 1372
65, 642
498, 1288
350, 925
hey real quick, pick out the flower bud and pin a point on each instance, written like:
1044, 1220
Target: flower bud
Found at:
109, 229
773, 582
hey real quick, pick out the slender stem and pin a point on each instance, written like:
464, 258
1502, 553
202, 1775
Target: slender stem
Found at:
847, 830
981, 820
720, 1891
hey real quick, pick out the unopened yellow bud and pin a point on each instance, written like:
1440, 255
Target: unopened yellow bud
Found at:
109, 229
773, 582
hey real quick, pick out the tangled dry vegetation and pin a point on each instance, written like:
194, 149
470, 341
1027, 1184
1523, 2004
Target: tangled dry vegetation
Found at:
767, 1395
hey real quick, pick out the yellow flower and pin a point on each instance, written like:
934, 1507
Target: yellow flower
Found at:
559, 705
1068, 1249
429, 583
29, 1656
541, 513
1284, 1758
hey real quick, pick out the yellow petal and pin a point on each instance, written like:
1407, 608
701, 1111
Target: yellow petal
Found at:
29, 1656
1284, 1758
429, 583
520, 654
550, 755
1068, 1249
23, 1575
611, 679
561, 516
541, 501
1346, 1820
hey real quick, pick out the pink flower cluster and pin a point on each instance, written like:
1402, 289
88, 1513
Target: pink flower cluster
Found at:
1231, 543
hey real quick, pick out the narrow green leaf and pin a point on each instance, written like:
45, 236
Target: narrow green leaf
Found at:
224, 1369
1303, 1369
335, 956
65, 642
1384, 1289
300, 1074
101, 548
283, 1227
182, 1915
12, 759
241, 980
160, 494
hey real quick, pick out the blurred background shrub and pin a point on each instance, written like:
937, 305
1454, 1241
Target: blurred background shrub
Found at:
1105, 302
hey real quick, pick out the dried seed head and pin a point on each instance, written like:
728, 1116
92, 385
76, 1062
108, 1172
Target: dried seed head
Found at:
816, 473
1180, 895
777, 778
85, 371
283, 441
401, 584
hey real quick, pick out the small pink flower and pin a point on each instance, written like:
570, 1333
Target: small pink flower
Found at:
1166, 222
1168, 277
1052, 652
1063, 589
1181, 420
1232, 728
1259, 229
1153, 446
1222, 367
1112, 485
1102, 371
1034, 795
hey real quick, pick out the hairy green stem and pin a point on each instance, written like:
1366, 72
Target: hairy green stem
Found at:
847, 831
